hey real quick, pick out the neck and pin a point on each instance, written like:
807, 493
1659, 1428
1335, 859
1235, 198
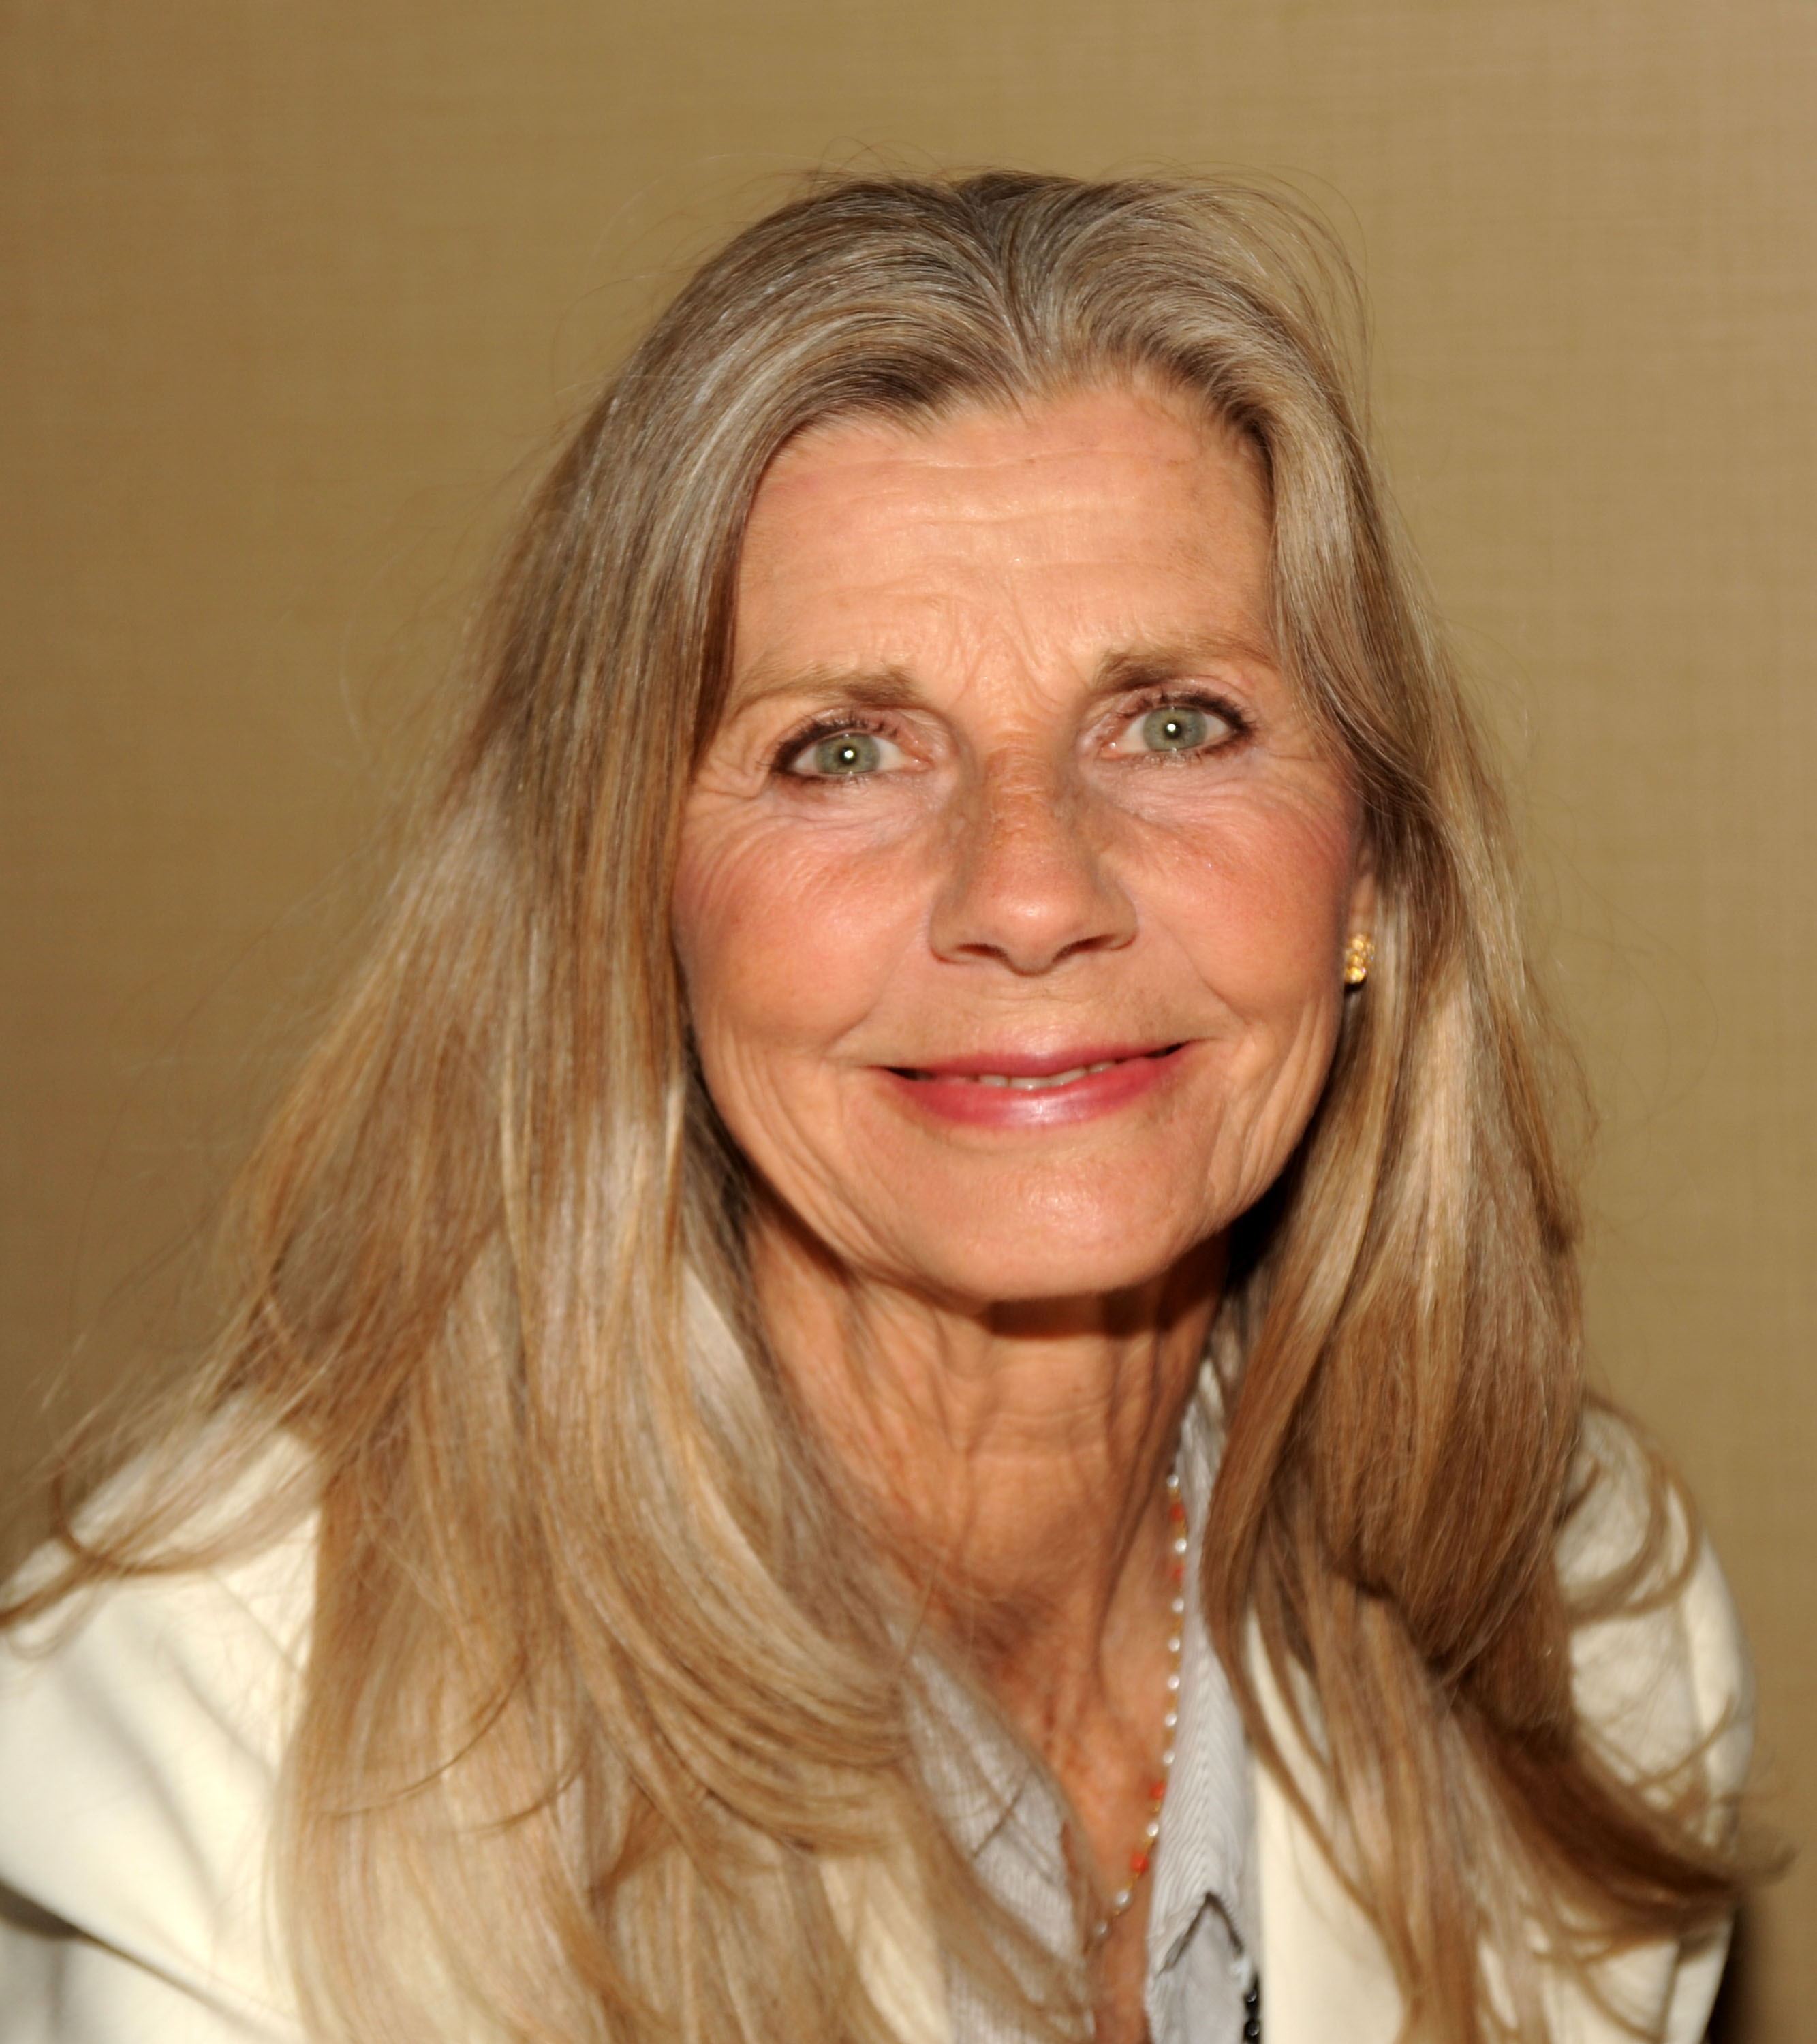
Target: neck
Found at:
1012, 1457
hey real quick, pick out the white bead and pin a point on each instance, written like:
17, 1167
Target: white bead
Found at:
1171, 1719
1152, 1830
1174, 1682
1119, 1901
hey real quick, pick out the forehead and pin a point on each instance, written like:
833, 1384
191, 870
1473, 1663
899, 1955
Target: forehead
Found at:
1075, 506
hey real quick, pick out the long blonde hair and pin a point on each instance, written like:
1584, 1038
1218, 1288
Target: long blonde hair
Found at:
599, 1680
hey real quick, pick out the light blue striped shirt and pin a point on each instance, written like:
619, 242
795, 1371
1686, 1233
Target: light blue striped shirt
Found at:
1202, 1928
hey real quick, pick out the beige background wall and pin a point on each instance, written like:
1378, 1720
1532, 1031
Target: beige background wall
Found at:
295, 290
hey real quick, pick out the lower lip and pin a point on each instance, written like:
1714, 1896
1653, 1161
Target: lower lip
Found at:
971, 1104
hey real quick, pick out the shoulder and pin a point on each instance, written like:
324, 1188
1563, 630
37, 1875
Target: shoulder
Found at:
142, 1727
1660, 1663
1663, 1685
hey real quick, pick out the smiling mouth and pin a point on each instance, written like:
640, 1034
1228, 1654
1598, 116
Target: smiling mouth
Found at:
1037, 1081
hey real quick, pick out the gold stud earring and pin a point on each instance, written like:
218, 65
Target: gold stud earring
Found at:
1359, 955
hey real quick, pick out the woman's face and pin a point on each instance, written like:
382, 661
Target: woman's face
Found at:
1014, 886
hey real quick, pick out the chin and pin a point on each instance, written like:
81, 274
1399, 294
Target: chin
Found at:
1082, 1256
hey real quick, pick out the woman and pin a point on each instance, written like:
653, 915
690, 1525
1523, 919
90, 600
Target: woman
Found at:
910, 1366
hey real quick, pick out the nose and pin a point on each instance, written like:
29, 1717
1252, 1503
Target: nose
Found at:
1028, 886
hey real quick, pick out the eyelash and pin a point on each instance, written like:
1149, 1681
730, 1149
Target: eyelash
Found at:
837, 724
1202, 699
831, 724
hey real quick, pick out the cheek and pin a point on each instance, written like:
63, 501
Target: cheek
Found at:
784, 943
1262, 903
1257, 912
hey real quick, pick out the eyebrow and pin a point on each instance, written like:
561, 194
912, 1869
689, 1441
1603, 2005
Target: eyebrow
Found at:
895, 688
862, 688
1168, 660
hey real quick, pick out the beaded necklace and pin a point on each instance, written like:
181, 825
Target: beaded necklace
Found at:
1143, 1856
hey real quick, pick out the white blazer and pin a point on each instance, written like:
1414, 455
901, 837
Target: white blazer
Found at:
138, 1757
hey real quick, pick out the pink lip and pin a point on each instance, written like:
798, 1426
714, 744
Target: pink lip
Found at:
1109, 1077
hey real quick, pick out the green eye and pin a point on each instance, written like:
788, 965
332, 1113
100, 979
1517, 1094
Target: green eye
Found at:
846, 755
1175, 728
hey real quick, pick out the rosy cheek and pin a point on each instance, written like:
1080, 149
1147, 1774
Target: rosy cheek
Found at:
1258, 900
786, 938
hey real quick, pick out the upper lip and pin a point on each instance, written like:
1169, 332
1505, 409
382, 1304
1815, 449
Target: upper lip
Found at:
1034, 1064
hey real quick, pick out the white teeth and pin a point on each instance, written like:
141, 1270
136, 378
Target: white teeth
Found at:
1046, 1080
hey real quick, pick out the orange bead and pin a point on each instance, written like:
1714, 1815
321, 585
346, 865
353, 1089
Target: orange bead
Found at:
1138, 1862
